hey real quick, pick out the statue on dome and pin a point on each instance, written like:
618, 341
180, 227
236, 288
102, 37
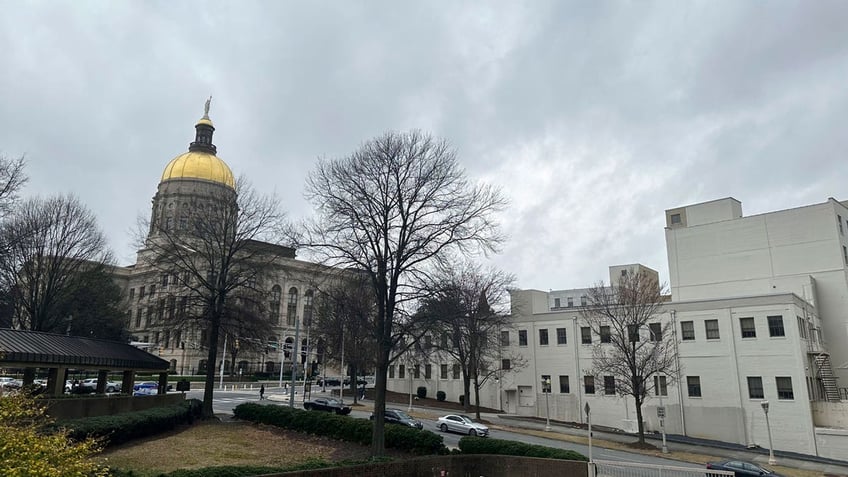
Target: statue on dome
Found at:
206, 107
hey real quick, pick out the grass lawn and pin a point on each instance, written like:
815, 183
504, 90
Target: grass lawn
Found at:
210, 444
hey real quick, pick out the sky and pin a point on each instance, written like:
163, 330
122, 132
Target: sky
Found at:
593, 117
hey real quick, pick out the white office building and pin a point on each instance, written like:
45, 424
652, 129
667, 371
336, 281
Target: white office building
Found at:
759, 308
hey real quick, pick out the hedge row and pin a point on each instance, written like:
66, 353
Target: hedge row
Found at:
236, 471
341, 427
480, 445
120, 428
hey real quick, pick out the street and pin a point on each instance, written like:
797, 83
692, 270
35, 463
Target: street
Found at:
226, 400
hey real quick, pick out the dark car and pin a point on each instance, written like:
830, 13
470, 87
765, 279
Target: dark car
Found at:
329, 381
326, 404
741, 468
396, 416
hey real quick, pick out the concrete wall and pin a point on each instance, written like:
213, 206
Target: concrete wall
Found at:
457, 465
832, 415
72, 408
832, 443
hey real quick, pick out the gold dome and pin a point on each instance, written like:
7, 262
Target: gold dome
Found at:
199, 165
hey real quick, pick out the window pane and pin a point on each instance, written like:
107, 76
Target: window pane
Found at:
522, 337
687, 330
563, 385
755, 387
589, 384
656, 331
543, 337
504, 338
585, 335
633, 333
660, 386
775, 324
561, 336
784, 388
747, 327
506, 364
606, 336
711, 327
609, 384
546, 383
693, 384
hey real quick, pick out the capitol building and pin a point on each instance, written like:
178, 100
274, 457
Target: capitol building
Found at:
156, 299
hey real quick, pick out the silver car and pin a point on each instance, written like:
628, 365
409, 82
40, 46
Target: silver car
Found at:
463, 425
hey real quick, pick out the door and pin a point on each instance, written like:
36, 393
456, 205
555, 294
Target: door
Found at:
525, 396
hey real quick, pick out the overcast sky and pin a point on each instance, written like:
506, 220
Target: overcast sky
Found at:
594, 117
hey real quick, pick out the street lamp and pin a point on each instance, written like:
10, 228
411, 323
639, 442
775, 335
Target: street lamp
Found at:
765, 405
546, 388
589, 421
410, 387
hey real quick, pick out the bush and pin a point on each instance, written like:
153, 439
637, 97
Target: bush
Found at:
479, 445
124, 427
440, 396
421, 392
340, 427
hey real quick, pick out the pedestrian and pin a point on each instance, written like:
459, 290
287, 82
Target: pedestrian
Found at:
362, 394
261, 392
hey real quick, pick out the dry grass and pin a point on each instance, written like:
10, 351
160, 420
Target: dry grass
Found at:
213, 444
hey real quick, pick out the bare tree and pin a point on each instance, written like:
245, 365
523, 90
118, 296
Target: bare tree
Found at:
48, 244
467, 309
344, 319
217, 255
635, 344
12, 179
391, 209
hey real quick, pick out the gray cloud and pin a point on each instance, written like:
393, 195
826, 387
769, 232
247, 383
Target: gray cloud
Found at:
593, 116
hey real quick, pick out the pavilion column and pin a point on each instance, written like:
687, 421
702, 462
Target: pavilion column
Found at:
163, 382
56, 381
127, 382
102, 376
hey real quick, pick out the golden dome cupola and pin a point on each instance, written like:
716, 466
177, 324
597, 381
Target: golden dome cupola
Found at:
201, 162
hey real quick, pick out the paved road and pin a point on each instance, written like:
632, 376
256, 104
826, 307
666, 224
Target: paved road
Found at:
225, 401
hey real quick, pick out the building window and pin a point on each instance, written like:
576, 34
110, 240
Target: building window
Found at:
775, 324
546, 383
506, 364
443, 371
675, 219
428, 371
132, 293
522, 337
291, 309
584, 300
687, 330
138, 318
802, 327
660, 386
455, 371
633, 333
164, 279
428, 341
570, 302
755, 387
561, 336
152, 290
308, 298
585, 335
784, 388
693, 384
416, 372
589, 384
656, 331
556, 303
401, 371
563, 385
543, 337
711, 327
839, 221
748, 329
845, 254
167, 338
141, 293
392, 371
606, 336
609, 385
504, 338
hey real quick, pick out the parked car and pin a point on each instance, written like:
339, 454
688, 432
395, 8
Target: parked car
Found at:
396, 416
329, 381
90, 385
326, 404
463, 425
10, 383
146, 388
742, 469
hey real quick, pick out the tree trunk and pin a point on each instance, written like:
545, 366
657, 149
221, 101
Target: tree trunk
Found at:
378, 444
477, 397
466, 385
211, 361
352, 383
639, 421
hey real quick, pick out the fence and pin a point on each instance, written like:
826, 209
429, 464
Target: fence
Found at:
605, 468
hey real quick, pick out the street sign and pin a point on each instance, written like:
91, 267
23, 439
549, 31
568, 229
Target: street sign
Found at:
661, 412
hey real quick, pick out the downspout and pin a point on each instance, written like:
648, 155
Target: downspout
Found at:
677, 362
578, 381
738, 381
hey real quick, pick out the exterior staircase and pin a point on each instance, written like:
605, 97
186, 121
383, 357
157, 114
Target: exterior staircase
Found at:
825, 372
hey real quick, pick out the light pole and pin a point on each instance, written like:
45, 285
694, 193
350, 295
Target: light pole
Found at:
546, 388
410, 388
765, 405
589, 421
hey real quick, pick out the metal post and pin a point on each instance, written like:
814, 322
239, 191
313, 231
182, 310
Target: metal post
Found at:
342, 371
546, 389
282, 346
661, 416
589, 422
296, 346
223, 360
772, 460
410, 387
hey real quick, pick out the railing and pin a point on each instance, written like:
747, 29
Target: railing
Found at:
843, 394
605, 468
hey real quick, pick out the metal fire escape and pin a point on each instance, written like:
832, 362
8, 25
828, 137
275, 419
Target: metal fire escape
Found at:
828, 380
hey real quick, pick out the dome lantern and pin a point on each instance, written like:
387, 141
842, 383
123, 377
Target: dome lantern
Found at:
203, 136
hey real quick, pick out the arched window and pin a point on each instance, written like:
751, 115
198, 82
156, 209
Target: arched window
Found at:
276, 292
291, 311
173, 366
307, 307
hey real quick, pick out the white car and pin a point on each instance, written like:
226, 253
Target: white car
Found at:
463, 425
91, 383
